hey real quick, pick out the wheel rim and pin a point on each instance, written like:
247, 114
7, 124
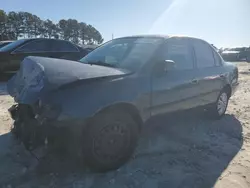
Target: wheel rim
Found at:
111, 142
222, 103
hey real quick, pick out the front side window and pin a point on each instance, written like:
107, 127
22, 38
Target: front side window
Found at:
35, 46
129, 53
203, 53
179, 51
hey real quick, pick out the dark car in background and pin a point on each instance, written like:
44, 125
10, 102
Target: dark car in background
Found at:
245, 54
4, 43
231, 55
12, 54
96, 107
236, 54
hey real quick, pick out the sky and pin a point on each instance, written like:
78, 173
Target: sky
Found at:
225, 23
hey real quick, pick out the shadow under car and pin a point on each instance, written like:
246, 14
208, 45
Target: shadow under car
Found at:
180, 150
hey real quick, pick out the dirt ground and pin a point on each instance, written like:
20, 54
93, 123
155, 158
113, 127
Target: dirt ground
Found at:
181, 151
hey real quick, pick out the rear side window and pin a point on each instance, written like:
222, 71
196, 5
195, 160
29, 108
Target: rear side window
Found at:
63, 46
179, 51
35, 46
217, 58
203, 53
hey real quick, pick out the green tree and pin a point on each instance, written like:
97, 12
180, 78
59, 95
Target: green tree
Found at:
74, 30
64, 31
3, 25
25, 24
27, 19
15, 23
49, 29
36, 26
83, 32
93, 35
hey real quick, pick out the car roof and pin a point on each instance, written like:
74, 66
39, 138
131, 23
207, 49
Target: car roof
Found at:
159, 36
29, 39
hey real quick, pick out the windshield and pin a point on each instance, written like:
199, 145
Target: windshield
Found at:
12, 45
129, 53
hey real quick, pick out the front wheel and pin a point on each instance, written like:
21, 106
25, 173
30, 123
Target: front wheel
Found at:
218, 109
110, 140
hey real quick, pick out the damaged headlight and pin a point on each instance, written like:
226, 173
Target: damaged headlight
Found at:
48, 111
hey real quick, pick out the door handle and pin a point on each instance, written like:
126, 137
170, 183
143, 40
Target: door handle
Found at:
195, 81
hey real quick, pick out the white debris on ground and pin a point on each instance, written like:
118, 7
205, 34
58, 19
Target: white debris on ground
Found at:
188, 150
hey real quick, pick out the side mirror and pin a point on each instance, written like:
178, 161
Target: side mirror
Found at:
164, 66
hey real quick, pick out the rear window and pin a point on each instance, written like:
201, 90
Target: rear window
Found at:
12, 45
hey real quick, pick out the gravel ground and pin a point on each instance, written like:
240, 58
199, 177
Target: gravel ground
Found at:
184, 150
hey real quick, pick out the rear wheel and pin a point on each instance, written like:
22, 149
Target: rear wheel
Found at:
110, 140
218, 109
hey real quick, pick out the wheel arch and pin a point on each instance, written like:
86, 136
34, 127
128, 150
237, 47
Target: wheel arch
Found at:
129, 108
228, 89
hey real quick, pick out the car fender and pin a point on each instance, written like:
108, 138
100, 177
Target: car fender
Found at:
83, 102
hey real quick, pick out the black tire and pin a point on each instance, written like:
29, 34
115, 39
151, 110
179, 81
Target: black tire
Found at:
214, 111
15, 130
109, 140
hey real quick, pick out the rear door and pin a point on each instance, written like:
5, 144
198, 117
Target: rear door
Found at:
177, 88
40, 48
65, 50
210, 72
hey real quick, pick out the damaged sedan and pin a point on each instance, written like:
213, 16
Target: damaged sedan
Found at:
95, 108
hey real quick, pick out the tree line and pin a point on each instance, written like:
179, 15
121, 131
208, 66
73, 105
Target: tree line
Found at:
26, 25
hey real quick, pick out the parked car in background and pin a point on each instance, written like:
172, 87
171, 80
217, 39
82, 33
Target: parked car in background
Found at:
96, 107
4, 43
12, 54
245, 54
231, 55
89, 47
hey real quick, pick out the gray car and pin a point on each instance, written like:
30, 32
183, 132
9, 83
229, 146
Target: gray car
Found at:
96, 108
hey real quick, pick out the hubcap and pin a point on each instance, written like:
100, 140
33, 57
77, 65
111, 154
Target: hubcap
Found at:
222, 103
111, 142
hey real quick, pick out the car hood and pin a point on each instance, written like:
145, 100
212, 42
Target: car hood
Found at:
38, 76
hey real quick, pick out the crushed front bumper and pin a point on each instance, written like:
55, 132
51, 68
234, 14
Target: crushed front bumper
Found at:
36, 132
30, 131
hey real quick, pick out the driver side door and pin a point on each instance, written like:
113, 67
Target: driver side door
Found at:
175, 89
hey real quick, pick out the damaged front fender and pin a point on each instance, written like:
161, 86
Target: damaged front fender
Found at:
38, 76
